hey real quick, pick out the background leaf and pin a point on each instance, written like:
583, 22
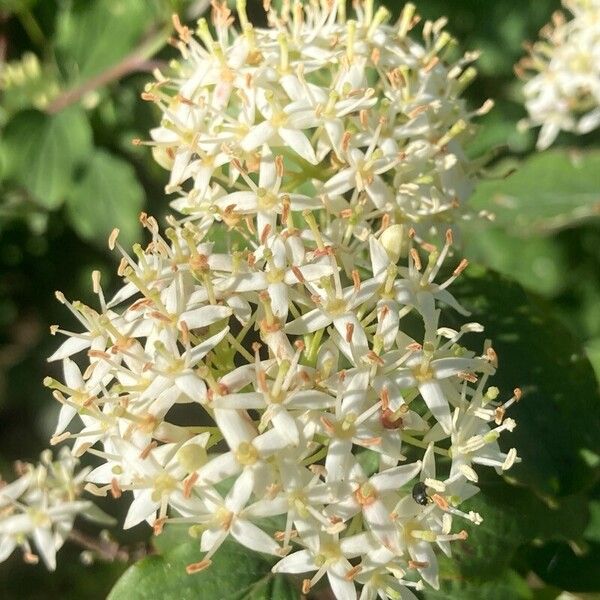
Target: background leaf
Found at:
44, 151
108, 195
506, 585
550, 191
513, 516
92, 36
236, 574
559, 414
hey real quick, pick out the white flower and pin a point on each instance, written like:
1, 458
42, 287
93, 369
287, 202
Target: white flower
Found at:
228, 517
563, 93
42, 505
367, 495
327, 555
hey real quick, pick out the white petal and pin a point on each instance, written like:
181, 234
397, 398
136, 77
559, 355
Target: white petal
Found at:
589, 121
7, 545
192, 386
278, 293
267, 175
242, 201
434, 397
246, 401
241, 308
393, 479
447, 367
219, 468
340, 183
69, 347
379, 192
309, 273
16, 524
311, 321
73, 377
337, 460
447, 298
383, 528
201, 350
403, 378
547, 134
310, 399
65, 416
285, 425
378, 255
253, 537
342, 588
267, 508
128, 290
14, 490
211, 538
241, 491
299, 143
270, 442
44, 542
235, 427
204, 316
298, 562
422, 552
428, 470
358, 342
257, 136
141, 508
335, 131
389, 323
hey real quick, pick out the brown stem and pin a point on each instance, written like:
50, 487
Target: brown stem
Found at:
3, 37
104, 549
134, 62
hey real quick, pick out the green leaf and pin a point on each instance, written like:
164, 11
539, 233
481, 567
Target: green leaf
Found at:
235, 574
513, 516
592, 531
537, 263
93, 36
559, 565
558, 418
108, 195
45, 151
593, 352
551, 191
172, 536
507, 584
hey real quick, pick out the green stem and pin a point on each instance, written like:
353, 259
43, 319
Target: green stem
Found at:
316, 456
409, 439
31, 26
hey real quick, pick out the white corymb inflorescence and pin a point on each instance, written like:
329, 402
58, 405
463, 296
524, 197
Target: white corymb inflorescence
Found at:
276, 367
41, 506
367, 120
225, 386
563, 71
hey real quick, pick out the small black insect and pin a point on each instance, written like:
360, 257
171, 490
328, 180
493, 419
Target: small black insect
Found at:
419, 493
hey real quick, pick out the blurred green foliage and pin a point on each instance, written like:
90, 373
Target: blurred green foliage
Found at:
71, 73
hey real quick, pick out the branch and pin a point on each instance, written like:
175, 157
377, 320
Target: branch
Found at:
133, 62
106, 550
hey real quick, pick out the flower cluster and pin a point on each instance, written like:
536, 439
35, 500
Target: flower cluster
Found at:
367, 121
280, 354
42, 505
298, 366
564, 91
